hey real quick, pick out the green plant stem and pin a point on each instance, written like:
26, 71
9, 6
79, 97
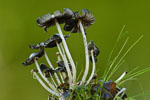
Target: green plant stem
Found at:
107, 78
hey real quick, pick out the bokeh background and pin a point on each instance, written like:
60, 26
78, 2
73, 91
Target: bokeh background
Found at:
18, 29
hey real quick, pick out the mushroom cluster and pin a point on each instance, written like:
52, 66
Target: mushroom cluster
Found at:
61, 81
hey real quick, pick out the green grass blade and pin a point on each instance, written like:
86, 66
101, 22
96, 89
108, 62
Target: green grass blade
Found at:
115, 69
116, 57
128, 51
133, 70
138, 73
133, 75
119, 37
110, 55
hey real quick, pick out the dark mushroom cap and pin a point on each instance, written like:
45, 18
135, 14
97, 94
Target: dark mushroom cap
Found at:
61, 66
68, 13
96, 51
33, 56
72, 26
52, 42
63, 17
48, 20
30, 60
86, 18
92, 46
45, 21
40, 53
59, 16
38, 46
46, 70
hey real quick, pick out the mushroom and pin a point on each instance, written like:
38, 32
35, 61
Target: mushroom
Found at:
46, 70
48, 20
33, 56
96, 51
40, 45
52, 42
86, 18
61, 66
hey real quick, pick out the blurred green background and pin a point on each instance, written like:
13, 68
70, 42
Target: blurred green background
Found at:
18, 29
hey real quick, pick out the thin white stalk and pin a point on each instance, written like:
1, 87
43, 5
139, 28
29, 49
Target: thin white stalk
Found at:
51, 98
122, 92
66, 64
62, 79
50, 64
63, 51
58, 56
43, 84
121, 77
61, 98
62, 75
53, 81
45, 79
47, 59
93, 70
67, 51
86, 53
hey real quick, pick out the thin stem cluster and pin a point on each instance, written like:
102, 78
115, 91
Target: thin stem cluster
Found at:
62, 81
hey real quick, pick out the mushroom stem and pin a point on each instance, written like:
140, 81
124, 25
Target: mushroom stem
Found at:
64, 75
58, 56
50, 64
43, 84
121, 77
63, 51
62, 79
45, 79
53, 81
61, 98
93, 70
86, 53
67, 51
122, 92
59, 59
66, 65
